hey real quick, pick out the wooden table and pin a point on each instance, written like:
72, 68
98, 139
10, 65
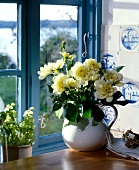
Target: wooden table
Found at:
71, 160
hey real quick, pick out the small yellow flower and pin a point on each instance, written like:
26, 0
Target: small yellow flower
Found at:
92, 75
92, 64
67, 56
45, 71
8, 118
114, 77
57, 66
104, 90
58, 86
79, 72
71, 83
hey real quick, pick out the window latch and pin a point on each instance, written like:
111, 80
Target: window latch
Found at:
41, 121
90, 37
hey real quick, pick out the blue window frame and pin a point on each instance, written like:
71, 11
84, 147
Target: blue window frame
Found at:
89, 21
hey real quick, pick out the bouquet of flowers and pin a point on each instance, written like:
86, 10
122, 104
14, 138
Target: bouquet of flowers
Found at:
78, 89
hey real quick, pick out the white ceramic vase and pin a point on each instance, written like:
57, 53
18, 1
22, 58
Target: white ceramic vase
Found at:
92, 137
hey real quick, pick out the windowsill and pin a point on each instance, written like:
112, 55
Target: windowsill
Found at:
101, 159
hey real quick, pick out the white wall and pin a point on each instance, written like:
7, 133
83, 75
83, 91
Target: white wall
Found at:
117, 15
120, 12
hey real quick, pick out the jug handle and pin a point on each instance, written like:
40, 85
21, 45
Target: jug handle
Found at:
115, 117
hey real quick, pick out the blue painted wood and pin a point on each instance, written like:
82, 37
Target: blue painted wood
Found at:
49, 148
21, 54
81, 29
33, 57
48, 139
90, 28
12, 1
24, 65
97, 21
67, 2
10, 72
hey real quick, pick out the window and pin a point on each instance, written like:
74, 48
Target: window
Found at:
8, 52
29, 48
10, 66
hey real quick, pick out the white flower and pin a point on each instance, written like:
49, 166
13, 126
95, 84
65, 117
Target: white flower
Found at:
8, 119
71, 83
9, 107
45, 71
114, 77
79, 72
58, 86
67, 56
104, 90
92, 75
93, 68
92, 65
58, 65
28, 112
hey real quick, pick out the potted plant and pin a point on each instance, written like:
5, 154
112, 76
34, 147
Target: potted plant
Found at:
78, 92
20, 135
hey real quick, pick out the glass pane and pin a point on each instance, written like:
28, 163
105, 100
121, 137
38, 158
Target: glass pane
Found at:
7, 91
8, 36
57, 23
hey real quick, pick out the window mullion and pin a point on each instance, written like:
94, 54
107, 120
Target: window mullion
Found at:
97, 21
10, 72
12, 1
90, 28
81, 29
33, 59
21, 51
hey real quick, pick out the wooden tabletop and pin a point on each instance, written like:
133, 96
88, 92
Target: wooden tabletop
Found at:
72, 160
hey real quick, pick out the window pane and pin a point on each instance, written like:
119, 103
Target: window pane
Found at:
8, 36
57, 23
8, 90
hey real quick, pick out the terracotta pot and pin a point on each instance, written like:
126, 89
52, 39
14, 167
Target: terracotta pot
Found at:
19, 152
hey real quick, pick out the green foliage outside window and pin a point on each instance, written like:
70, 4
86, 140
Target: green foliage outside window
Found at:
49, 52
7, 84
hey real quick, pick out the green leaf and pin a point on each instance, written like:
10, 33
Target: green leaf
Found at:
71, 112
116, 96
63, 44
122, 102
119, 68
57, 106
63, 96
82, 124
87, 113
94, 122
83, 98
59, 112
50, 88
97, 113
115, 100
69, 123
